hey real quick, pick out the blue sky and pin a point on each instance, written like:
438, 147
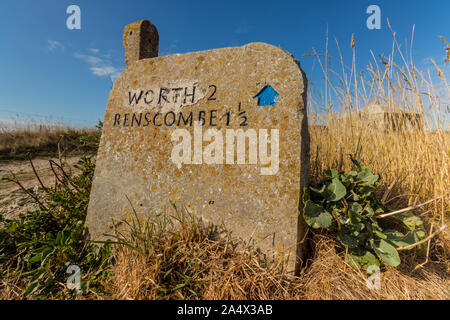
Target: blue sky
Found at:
50, 72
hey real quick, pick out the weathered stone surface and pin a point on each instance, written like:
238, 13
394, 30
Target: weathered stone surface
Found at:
141, 41
138, 156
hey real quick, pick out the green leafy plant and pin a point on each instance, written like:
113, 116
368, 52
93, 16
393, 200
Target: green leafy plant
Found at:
91, 141
38, 247
345, 203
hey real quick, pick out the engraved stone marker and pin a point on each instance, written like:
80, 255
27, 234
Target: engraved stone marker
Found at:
223, 132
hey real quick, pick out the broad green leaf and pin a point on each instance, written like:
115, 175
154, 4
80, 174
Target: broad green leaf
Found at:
380, 234
393, 234
318, 191
355, 207
354, 212
398, 239
386, 252
362, 259
348, 182
316, 216
378, 209
349, 176
420, 233
363, 237
366, 177
332, 173
410, 238
365, 191
354, 217
374, 226
358, 226
410, 220
347, 238
335, 191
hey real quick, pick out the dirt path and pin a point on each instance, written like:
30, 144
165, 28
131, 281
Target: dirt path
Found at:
13, 200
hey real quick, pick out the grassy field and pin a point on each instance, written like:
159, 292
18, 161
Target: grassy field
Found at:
176, 257
41, 140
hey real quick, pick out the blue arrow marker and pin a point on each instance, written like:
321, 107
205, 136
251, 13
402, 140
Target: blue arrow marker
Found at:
267, 96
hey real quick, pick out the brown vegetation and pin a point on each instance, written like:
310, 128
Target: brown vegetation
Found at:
42, 140
190, 262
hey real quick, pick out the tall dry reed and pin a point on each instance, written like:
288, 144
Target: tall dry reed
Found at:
393, 117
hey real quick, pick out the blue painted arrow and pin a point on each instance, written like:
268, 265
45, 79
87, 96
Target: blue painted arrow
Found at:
267, 96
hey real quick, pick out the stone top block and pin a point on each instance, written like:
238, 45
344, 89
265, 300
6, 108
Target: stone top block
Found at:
222, 132
141, 41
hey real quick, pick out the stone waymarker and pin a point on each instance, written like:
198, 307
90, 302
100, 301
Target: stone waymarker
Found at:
222, 132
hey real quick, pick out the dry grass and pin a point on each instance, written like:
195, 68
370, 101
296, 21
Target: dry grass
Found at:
329, 277
12, 288
414, 164
42, 140
189, 261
